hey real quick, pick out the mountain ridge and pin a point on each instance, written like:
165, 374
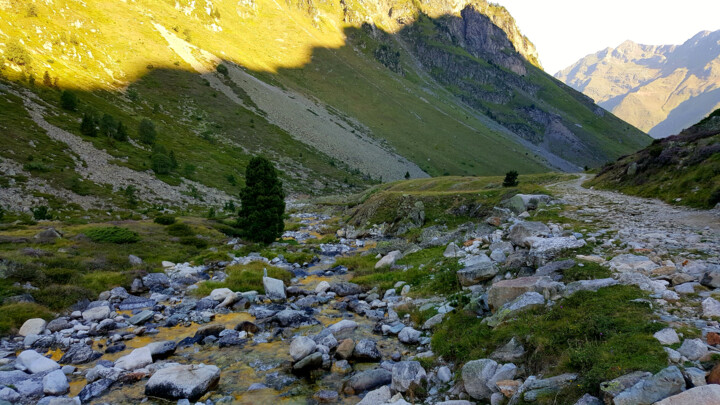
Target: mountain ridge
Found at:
661, 89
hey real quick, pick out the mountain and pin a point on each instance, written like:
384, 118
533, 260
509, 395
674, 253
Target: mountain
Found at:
680, 169
659, 89
339, 95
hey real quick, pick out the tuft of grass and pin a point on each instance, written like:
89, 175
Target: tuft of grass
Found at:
180, 229
165, 220
588, 271
58, 297
600, 335
358, 264
245, 278
12, 316
112, 234
100, 281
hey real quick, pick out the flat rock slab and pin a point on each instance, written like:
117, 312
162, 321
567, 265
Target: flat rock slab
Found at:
184, 381
704, 395
505, 291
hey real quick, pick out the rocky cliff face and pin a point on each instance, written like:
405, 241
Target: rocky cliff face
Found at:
659, 89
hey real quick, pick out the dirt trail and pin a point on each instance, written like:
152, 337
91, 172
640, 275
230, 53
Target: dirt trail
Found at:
643, 222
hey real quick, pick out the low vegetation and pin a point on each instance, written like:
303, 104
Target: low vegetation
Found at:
244, 278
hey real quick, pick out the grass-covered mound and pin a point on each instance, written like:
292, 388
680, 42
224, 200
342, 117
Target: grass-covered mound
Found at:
244, 278
600, 335
682, 169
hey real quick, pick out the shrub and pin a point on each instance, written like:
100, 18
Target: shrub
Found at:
161, 163
193, 241
222, 69
245, 278
17, 53
511, 179
108, 126
100, 281
47, 81
88, 126
146, 132
12, 316
714, 198
68, 100
165, 220
180, 230
120, 133
59, 297
112, 234
41, 213
263, 202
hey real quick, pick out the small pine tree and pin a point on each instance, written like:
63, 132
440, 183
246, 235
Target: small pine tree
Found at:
108, 126
47, 81
407, 175
68, 100
121, 132
262, 202
511, 179
160, 163
31, 80
222, 69
173, 160
146, 132
87, 126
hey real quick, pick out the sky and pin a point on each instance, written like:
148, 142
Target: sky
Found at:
564, 31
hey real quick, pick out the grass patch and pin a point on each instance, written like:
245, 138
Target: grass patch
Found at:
244, 278
600, 335
358, 264
112, 234
12, 316
179, 229
588, 271
165, 220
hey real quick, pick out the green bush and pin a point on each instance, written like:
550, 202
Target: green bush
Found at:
12, 316
193, 241
160, 163
112, 234
263, 202
17, 53
180, 230
61, 275
146, 132
222, 69
88, 127
120, 133
41, 213
165, 220
59, 297
108, 126
68, 100
100, 281
511, 179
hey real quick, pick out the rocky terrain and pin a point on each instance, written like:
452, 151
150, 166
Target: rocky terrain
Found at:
327, 336
660, 89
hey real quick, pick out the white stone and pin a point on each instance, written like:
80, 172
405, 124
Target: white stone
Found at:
138, 358
389, 259
693, 349
96, 314
376, 397
322, 287
34, 326
711, 307
409, 335
301, 347
55, 383
34, 362
274, 288
667, 336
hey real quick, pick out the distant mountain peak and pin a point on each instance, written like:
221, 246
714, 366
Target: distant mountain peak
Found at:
660, 89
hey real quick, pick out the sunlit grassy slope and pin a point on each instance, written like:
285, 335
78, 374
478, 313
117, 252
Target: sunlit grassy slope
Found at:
116, 59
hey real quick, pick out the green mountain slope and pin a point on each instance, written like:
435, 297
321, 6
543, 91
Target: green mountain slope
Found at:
339, 95
681, 169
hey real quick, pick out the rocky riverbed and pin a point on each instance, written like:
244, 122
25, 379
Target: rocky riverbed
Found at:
324, 339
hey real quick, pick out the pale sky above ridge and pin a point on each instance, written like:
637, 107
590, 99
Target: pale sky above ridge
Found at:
564, 31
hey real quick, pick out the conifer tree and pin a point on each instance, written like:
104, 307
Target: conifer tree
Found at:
87, 126
121, 132
47, 81
262, 202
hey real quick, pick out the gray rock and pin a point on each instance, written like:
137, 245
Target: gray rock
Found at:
381, 395
345, 289
100, 372
610, 389
444, 374
342, 326
55, 383
161, 350
547, 386
476, 374
643, 282
703, 395
141, 317
34, 362
693, 349
59, 324
505, 291
453, 251
511, 351
133, 302
665, 383
94, 390
134, 260
79, 353
711, 279
96, 314
407, 375
182, 381
520, 232
310, 362
34, 326
629, 262
554, 267
711, 307
156, 281
366, 350
588, 399
409, 335
389, 259
695, 376
667, 336
588, 285
543, 250
433, 321
369, 379
9, 395
301, 347
479, 270
138, 358
526, 301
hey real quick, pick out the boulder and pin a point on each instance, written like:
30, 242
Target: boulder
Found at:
476, 374
610, 389
543, 250
368, 380
453, 251
389, 259
505, 291
344, 289
554, 267
55, 383
79, 353
302, 347
711, 308
274, 288
588, 285
225, 296
703, 395
409, 335
182, 381
667, 336
694, 376
366, 350
527, 301
34, 362
138, 358
407, 375
665, 383
711, 279
693, 349
588, 399
308, 363
520, 232
481, 268
345, 349
322, 287
524, 202
342, 326
34, 326
546, 387
94, 390
433, 321
141, 317
96, 314
632, 263
381, 395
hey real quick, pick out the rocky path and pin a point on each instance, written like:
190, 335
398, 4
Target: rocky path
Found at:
644, 223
